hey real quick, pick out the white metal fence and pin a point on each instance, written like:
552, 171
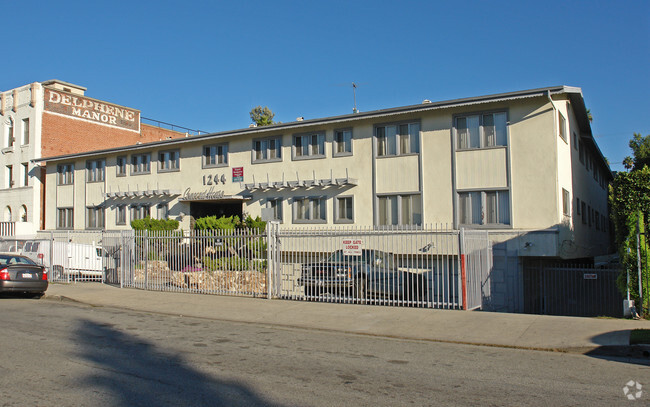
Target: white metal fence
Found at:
393, 266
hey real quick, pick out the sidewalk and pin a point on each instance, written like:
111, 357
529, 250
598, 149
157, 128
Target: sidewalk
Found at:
541, 332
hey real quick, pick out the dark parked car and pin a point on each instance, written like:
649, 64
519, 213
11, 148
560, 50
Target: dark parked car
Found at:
21, 274
371, 275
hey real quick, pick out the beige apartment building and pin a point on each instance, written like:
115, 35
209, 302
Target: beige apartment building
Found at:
523, 165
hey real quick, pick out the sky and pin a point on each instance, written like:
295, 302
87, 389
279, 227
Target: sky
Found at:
205, 64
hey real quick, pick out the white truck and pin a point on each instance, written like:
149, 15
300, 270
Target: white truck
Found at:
65, 259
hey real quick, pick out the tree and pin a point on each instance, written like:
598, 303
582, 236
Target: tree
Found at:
629, 198
641, 150
262, 116
589, 116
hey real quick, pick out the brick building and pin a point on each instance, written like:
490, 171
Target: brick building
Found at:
54, 118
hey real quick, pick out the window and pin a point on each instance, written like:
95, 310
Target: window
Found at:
343, 210
7, 215
95, 170
64, 219
215, 156
590, 215
276, 205
484, 208
583, 209
120, 215
121, 166
25, 174
23, 215
597, 220
309, 145
581, 150
168, 161
562, 129
25, 131
141, 164
139, 211
566, 207
162, 211
399, 210
342, 143
95, 217
9, 180
10, 134
268, 149
65, 174
578, 206
481, 131
309, 210
398, 139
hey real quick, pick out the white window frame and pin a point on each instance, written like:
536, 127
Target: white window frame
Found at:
483, 137
162, 210
121, 166
24, 179
311, 205
391, 144
26, 137
9, 179
562, 132
68, 218
344, 217
467, 199
95, 217
169, 161
346, 142
215, 155
307, 149
95, 170
139, 166
139, 211
265, 150
399, 209
120, 214
10, 140
65, 174
277, 205
566, 202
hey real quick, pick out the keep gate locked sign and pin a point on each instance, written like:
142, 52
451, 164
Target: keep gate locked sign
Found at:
352, 247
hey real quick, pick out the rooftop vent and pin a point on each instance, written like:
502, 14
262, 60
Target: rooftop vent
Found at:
425, 101
250, 126
299, 119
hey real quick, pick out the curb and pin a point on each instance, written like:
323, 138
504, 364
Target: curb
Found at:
629, 351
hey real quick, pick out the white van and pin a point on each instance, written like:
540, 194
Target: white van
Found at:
66, 259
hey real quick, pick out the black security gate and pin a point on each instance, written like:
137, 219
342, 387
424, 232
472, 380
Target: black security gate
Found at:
571, 290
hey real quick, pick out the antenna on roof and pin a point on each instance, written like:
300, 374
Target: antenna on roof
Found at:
354, 94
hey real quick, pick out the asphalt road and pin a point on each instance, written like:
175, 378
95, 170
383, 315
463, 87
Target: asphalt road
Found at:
63, 354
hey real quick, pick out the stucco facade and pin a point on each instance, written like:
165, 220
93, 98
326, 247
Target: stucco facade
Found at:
511, 163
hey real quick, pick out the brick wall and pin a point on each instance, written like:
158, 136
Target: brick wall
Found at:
61, 135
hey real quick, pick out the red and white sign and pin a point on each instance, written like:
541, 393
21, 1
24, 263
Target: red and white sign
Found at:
238, 174
352, 247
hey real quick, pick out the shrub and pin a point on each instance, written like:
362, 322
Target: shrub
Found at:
154, 224
212, 223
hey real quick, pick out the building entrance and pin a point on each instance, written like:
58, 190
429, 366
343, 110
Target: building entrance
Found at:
218, 209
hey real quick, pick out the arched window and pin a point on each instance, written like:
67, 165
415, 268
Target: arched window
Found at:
8, 214
23, 213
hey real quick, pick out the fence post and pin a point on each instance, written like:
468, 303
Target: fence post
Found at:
269, 268
463, 272
146, 259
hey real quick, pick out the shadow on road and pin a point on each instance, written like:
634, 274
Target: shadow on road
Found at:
639, 355
130, 371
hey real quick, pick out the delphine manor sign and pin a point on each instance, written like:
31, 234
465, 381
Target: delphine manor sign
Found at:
91, 109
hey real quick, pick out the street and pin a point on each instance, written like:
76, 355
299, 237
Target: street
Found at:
67, 354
